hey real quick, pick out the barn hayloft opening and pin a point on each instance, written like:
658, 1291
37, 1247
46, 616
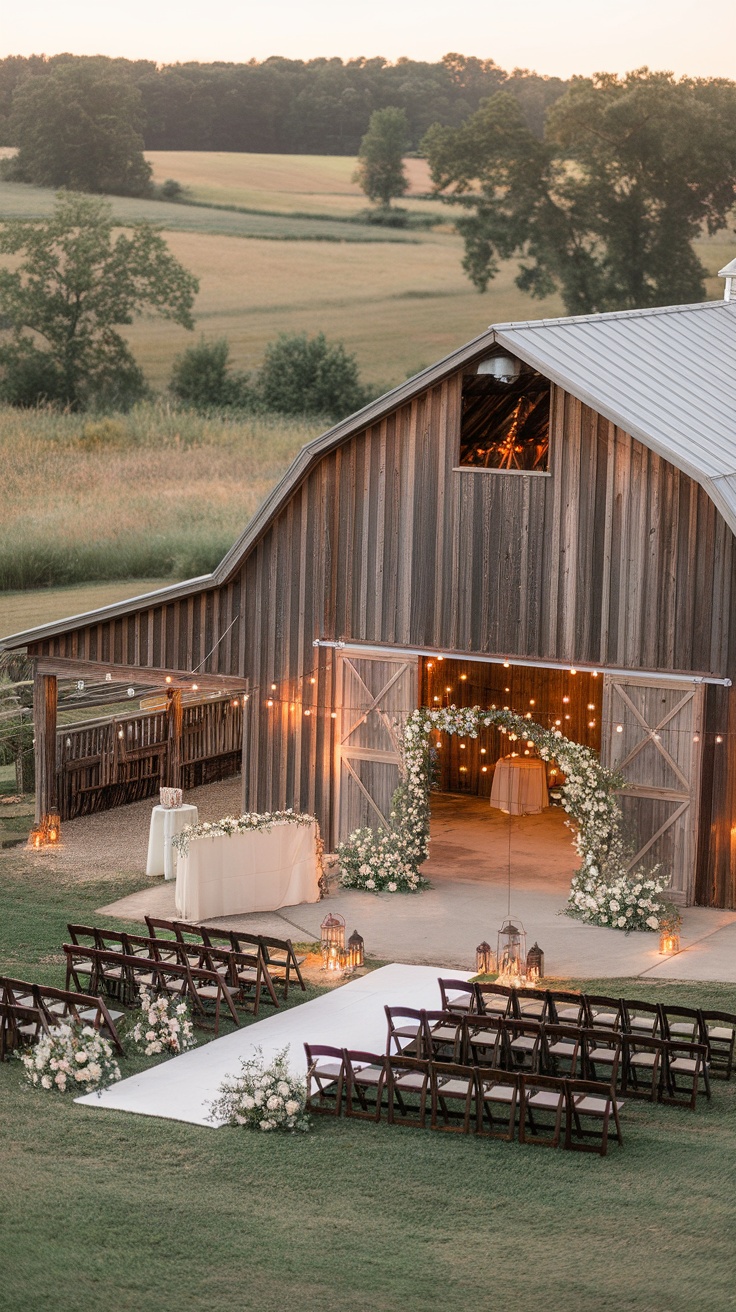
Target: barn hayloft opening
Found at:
505, 417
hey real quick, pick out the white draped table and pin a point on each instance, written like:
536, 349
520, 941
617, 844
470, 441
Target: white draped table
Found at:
166, 823
229, 875
520, 785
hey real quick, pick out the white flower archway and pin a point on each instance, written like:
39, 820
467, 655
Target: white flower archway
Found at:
602, 891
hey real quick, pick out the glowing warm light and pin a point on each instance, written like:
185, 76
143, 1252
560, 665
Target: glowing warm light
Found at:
532, 701
567, 717
448, 689
462, 747
565, 699
483, 751
463, 769
507, 690
595, 674
526, 751
307, 712
696, 737
312, 680
669, 943
591, 724
333, 715
273, 687
436, 699
718, 738
528, 715
558, 722
484, 769
430, 665
619, 728
573, 671
195, 687
440, 658
507, 665
168, 678
529, 742
270, 701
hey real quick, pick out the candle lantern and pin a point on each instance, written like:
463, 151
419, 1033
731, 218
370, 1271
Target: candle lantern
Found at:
669, 943
333, 931
534, 963
356, 950
511, 954
52, 826
485, 962
36, 838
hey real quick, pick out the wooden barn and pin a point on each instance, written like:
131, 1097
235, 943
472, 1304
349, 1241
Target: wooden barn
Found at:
545, 520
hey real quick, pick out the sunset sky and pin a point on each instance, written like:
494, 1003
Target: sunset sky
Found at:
568, 36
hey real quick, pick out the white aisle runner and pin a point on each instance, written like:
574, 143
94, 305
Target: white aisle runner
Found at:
351, 1016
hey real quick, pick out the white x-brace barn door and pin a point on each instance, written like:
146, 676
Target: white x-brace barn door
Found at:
658, 750
376, 695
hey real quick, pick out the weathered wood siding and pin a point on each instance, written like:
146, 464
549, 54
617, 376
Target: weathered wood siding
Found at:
614, 558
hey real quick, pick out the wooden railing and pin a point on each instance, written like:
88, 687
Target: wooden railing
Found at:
107, 763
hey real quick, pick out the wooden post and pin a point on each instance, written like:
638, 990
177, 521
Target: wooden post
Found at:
173, 756
44, 722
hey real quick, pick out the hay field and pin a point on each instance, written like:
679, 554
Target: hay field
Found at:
308, 184
150, 495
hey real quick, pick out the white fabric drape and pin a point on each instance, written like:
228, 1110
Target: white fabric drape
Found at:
259, 871
519, 785
166, 823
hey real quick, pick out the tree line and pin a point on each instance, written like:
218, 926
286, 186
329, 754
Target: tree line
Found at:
286, 106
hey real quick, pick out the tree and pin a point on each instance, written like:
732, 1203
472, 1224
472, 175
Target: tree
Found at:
606, 209
202, 378
380, 172
80, 126
302, 376
71, 287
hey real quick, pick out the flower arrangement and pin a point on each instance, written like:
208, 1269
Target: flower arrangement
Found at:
389, 860
262, 1097
165, 1026
242, 824
71, 1057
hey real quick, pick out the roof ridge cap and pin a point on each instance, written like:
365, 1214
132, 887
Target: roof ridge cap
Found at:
649, 311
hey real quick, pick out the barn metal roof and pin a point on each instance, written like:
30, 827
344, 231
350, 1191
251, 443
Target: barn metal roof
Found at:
666, 376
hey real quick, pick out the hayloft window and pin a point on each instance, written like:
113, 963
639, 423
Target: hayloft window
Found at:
505, 417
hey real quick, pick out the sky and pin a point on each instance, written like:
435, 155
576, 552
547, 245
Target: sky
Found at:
557, 37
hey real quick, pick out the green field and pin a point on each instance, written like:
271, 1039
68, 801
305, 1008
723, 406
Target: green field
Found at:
103, 1209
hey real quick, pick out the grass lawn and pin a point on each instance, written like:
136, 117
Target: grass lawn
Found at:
105, 1210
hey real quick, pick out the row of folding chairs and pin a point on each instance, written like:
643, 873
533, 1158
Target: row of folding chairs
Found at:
716, 1030
499, 1104
27, 1011
245, 973
280, 958
641, 1065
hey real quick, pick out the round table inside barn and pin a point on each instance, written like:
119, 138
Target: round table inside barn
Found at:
520, 785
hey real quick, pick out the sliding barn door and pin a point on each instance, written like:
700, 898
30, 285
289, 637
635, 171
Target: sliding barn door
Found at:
376, 694
652, 733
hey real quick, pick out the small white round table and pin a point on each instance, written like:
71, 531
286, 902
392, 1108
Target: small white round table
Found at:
520, 785
166, 823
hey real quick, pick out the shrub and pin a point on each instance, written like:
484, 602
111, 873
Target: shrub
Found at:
171, 190
202, 378
303, 376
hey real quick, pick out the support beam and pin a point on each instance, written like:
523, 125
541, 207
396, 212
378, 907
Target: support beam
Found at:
96, 671
44, 721
173, 724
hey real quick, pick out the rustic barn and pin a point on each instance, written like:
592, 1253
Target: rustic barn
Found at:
545, 519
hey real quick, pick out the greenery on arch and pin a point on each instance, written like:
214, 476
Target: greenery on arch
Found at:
602, 891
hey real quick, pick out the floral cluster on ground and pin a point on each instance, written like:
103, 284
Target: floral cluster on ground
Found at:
241, 824
71, 1058
389, 860
165, 1026
262, 1097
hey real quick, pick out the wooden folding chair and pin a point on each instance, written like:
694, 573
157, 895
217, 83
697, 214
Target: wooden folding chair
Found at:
282, 962
601, 1056
589, 1102
641, 1018
441, 1035
560, 1050
535, 1004
676, 1022
365, 1078
81, 968
498, 1098
83, 936
21, 1019
684, 1066
542, 1109
719, 1033
325, 1079
405, 1030
642, 1065
496, 1000
60, 1006
567, 1008
603, 1012
524, 1040
407, 1078
481, 1041
451, 1083
458, 995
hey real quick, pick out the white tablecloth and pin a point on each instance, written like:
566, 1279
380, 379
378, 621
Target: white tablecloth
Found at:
262, 871
166, 823
520, 785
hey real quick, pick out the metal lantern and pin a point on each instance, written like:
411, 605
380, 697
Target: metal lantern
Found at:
511, 952
534, 963
37, 837
333, 931
52, 827
669, 943
485, 962
356, 950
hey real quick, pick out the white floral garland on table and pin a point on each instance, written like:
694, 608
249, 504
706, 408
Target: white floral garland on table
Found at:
249, 823
71, 1058
262, 1097
389, 860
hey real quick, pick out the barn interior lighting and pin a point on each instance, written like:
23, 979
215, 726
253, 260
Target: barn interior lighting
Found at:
591, 706
719, 738
108, 678
131, 692
484, 769
195, 687
483, 751
440, 658
307, 712
619, 728
573, 671
312, 680
270, 701
565, 699
507, 690
558, 722
462, 747
463, 676
448, 689
532, 701
591, 724
436, 699
333, 715
273, 687
506, 665
167, 679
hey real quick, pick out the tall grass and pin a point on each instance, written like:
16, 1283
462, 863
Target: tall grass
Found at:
157, 492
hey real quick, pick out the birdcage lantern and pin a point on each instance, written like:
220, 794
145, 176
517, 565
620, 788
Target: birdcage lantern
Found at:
511, 953
333, 929
485, 962
356, 951
534, 964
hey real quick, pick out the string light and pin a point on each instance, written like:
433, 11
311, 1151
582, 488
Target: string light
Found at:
532, 701
195, 687
307, 712
483, 751
558, 722
440, 658
591, 724
719, 738
619, 728
273, 687
573, 671
168, 678
463, 676
591, 706
312, 681
507, 665
270, 701
566, 700
333, 715
462, 747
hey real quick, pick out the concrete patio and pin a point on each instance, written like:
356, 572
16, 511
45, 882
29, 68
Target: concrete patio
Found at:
473, 848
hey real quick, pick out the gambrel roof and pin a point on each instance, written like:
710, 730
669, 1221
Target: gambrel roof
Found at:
665, 376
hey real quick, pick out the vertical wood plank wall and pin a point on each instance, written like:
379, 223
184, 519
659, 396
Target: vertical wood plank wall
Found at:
615, 558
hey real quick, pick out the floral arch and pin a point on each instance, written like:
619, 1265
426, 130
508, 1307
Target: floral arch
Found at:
602, 892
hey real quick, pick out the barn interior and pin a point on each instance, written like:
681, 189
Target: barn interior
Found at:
472, 838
